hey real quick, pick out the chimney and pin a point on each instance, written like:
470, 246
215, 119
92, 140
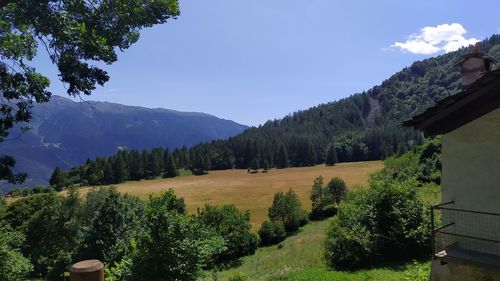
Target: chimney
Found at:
474, 65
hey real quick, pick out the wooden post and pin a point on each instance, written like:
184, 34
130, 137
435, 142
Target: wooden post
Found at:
89, 270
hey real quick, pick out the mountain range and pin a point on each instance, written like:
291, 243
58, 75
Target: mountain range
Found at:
65, 133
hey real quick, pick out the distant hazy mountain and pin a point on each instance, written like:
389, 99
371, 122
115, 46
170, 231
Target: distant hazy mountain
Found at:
66, 133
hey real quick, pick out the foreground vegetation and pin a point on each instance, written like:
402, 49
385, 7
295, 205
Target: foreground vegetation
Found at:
375, 233
300, 257
42, 235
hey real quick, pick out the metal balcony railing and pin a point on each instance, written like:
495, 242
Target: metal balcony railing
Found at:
465, 234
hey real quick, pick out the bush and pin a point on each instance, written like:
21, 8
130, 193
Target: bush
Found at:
336, 191
234, 227
325, 199
272, 232
388, 221
107, 236
422, 163
15, 192
25, 192
168, 200
13, 265
287, 209
173, 240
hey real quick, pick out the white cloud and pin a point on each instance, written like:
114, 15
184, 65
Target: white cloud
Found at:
433, 39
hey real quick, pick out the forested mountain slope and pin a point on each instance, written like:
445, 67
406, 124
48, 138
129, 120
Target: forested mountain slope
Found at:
364, 126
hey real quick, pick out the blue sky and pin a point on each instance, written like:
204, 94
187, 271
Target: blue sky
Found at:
255, 60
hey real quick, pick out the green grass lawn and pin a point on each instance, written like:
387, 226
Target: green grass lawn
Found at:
300, 258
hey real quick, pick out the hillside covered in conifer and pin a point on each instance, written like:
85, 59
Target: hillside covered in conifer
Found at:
364, 126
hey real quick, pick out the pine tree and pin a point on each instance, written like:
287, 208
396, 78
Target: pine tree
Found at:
108, 174
207, 164
200, 164
311, 154
57, 180
120, 173
170, 169
282, 158
255, 165
331, 156
265, 166
152, 166
135, 168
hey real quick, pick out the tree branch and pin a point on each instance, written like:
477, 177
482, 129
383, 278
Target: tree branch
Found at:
4, 3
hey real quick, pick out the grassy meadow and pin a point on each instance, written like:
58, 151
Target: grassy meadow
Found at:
300, 259
252, 192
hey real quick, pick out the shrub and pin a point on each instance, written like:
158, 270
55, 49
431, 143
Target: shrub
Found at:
287, 208
388, 221
336, 190
15, 192
173, 240
25, 192
20, 211
168, 200
325, 199
423, 163
272, 232
234, 227
107, 236
13, 265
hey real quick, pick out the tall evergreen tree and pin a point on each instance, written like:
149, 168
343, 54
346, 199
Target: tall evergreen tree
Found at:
331, 156
207, 164
255, 165
120, 173
135, 167
153, 166
282, 157
57, 180
311, 154
108, 174
170, 169
265, 166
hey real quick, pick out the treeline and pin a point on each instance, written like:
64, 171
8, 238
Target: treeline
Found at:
221, 155
131, 165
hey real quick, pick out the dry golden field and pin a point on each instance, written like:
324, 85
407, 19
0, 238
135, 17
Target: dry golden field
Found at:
252, 192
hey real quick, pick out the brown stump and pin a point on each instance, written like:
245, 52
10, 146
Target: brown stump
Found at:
89, 270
